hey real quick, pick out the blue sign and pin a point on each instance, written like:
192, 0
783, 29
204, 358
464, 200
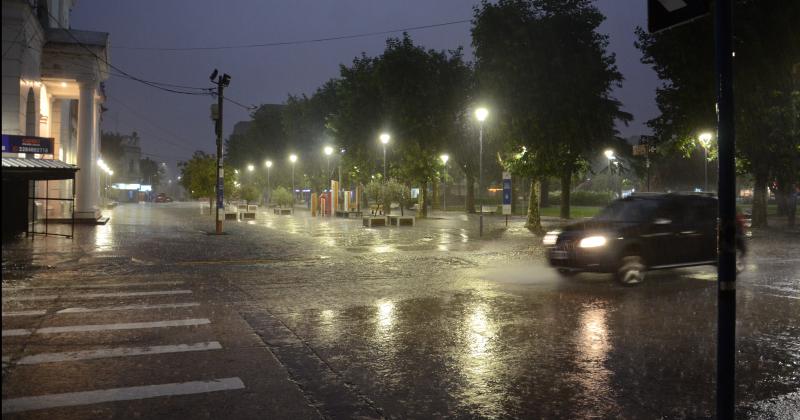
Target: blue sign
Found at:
506, 193
27, 144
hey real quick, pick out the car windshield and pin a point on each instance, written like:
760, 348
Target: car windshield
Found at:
627, 210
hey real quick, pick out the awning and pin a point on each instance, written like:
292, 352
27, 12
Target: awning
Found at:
38, 169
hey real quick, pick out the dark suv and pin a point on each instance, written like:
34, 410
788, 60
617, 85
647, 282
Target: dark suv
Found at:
639, 233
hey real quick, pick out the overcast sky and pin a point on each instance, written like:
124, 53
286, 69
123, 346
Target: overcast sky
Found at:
173, 126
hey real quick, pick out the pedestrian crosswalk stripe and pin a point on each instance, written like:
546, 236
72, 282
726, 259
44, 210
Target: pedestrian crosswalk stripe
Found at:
78, 310
123, 326
15, 405
24, 313
98, 295
96, 285
107, 353
13, 333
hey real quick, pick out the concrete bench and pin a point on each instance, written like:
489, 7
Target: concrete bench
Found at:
281, 211
370, 221
395, 220
347, 214
231, 215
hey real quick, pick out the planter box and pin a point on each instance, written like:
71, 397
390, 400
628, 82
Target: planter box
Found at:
370, 221
231, 216
280, 211
248, 215
402, 220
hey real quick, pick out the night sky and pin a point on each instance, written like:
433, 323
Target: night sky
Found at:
173, 126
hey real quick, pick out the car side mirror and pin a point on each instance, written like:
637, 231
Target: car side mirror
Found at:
662, 221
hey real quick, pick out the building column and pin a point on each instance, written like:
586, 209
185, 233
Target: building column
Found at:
86, 197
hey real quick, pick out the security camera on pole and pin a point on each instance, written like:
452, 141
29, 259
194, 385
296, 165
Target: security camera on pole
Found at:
216, 114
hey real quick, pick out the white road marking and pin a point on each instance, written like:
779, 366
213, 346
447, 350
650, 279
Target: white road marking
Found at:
15, 333
15, 405
125, 326
96, 285
23, 313
99, 295
116, 352
126, 308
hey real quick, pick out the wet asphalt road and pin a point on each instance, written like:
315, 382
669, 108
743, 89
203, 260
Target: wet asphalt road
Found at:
324, 318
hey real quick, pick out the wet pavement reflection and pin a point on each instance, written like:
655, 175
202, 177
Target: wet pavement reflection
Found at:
434, 322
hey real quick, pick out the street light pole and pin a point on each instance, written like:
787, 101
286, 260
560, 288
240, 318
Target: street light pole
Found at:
705, 141
293, 159
385, 140
444, 158
480, 114
268, 164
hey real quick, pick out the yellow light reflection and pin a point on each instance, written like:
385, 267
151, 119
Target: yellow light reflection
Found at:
103, 237
593, 345
380, 249
385, 314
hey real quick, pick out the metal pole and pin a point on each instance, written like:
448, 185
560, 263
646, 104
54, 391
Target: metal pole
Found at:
444, 189
384, 162
726, 267
480, 175
269, 188
705, 171
220, 174
293, 191
341, 188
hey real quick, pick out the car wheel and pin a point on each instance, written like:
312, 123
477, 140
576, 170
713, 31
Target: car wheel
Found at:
564, 272
632, 270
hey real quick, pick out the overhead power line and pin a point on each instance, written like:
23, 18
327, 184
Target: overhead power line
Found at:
295, 42
199, 90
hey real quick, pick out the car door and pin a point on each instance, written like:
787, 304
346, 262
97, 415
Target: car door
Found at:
694, 230
658, 235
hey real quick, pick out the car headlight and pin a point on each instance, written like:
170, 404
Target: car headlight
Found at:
551, 237
592, 241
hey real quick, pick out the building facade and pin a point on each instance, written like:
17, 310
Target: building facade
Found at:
53, 88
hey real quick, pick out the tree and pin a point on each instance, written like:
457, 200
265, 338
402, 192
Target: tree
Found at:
198, 176
394, 191
544, 67
151, 171
766, 112
282, 197
410, 92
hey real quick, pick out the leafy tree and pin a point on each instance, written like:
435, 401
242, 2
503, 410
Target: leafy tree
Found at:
414, 94
544, 67
198, 176
766, 112
151, 171
282, 197
394, 191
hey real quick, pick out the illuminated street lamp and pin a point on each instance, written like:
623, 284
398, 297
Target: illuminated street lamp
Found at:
705, 142
444, 157
328, 152
480, 115
385, 140
610, 156
268, 164
293, 159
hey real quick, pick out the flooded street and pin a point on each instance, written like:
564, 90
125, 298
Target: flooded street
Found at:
322, 317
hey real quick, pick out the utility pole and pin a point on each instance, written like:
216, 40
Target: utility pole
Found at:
726, 192
222, 82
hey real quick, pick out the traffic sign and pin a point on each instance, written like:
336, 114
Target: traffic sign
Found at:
665, 14
506, 193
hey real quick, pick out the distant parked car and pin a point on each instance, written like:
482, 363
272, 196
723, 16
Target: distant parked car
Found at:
163, 198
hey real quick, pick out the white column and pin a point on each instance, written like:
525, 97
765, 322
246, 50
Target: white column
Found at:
86, 199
